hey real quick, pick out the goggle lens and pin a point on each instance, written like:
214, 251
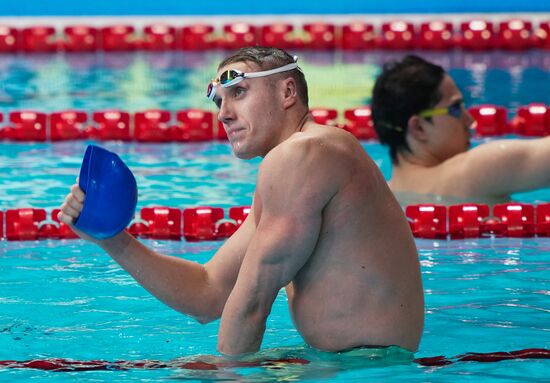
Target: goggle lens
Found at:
455, 109
210, 89
227, 78
230, 75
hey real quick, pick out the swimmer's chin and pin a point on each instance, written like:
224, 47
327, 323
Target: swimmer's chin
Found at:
244, 155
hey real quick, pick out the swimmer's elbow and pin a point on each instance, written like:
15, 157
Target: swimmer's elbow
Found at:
213, 313
208, 316
205, 320
208, 312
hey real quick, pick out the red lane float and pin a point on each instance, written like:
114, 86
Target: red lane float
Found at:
490, 120
239, 214
518, 219
473, 220
199, 224
436, 35
198, 37
358, 35
117, 38
69, 365
516, 35
238, 35
194, 125
542, 35
111, 125
278, 35
489, 357
324, 116
477, 35
532, 120
209, 223
359, 123
159, 37
465, 221
427, 221
26, 126
543, 220
10, 39
152, 126
68, 125
81, 38
158, 223
23, 224
398, 35
320, 36
39, 39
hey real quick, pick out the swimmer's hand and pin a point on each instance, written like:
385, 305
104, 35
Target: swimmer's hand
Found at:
71, 209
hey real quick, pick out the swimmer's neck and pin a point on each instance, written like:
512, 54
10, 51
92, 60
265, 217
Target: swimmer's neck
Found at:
409, 165
290, 127
417, 159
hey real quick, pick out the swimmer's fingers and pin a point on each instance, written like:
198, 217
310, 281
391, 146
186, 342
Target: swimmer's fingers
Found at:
78, 193
66, 219
68, 214
72, 206
75, 198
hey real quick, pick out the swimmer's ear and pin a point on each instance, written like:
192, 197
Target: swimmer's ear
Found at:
415, 129
289, 92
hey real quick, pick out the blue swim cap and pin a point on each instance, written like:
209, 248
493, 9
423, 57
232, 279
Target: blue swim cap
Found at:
111, 194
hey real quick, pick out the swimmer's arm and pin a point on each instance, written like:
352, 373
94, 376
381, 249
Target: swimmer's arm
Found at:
188, 287
503, 167
293, 198
196, 290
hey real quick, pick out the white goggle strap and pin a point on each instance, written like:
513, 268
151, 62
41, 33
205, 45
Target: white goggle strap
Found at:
283, 68
264, 73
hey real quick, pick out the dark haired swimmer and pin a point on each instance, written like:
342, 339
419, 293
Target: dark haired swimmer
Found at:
418, 111
323, 224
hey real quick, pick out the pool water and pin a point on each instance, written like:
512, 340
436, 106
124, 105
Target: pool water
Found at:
66, 299
178, 80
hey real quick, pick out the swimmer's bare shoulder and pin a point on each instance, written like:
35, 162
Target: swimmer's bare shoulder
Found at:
311, 164
329, 143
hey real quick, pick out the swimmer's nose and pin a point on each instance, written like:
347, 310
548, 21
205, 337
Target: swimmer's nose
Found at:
469, 121
226, 114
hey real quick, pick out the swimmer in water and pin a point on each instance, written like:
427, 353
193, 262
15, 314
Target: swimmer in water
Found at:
323, 225
418, 112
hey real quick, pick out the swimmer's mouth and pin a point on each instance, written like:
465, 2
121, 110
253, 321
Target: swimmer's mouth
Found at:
234, 130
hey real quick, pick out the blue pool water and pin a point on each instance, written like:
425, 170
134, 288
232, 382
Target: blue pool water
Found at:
66, 299
178, 80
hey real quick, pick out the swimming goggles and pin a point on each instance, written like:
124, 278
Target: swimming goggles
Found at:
231, 77
455, 110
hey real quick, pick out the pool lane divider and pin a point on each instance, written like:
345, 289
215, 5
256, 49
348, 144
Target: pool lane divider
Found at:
437, 34
208, 223
196, 125
68, 365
